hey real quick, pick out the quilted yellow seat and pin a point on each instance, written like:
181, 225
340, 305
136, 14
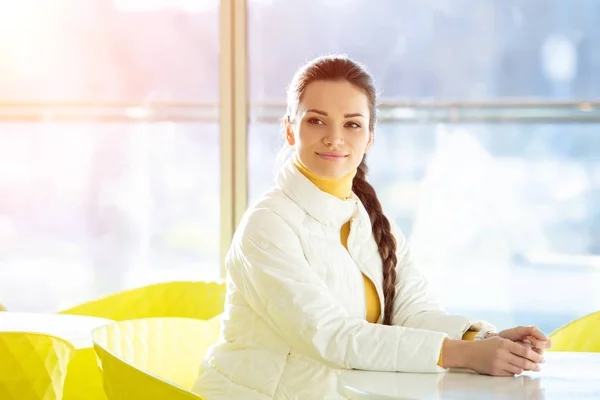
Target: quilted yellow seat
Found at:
187, 299
153, 358
33, 366
583, 334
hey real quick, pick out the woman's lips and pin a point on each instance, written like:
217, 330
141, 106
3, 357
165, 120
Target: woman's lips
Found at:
332, 156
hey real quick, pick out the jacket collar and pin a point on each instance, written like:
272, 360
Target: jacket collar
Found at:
325, 208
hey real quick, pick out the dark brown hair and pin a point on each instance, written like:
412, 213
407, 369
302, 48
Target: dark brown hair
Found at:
341, 68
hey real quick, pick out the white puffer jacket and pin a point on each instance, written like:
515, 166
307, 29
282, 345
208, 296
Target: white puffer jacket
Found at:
295, 309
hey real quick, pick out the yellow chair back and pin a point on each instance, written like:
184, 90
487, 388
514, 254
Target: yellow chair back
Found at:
33, 366
156, 358
186, 299
583, 334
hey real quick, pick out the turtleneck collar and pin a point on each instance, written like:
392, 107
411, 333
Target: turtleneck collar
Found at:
338, 187
324, 207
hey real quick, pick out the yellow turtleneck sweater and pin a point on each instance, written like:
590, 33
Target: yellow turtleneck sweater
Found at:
341, 188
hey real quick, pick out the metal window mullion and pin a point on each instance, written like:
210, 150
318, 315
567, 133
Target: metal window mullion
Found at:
233, 119
240, 107
226, 127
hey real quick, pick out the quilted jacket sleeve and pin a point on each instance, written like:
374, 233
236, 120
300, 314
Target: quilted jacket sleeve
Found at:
267, 265
416, 305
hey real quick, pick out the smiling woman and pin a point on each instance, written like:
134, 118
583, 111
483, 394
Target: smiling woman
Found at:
329, 128
324, 278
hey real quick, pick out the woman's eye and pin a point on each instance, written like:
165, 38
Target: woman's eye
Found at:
315, 121
353, 125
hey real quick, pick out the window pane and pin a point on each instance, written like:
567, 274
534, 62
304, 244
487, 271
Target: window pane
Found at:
109, 51
89, 209
120, 187
501, 214
436, 49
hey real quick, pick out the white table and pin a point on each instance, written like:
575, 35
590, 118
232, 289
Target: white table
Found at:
563, 376
75, 329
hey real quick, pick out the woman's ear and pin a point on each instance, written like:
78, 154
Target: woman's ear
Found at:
289, 134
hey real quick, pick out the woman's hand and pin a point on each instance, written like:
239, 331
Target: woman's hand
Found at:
528, 335
501, 357
493, 356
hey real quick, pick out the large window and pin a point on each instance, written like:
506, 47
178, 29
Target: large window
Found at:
109, 148
499, 199
111, 139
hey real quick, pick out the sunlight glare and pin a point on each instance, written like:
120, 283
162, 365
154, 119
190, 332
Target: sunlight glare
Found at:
161, 5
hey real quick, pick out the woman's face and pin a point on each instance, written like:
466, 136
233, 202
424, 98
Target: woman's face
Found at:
331, 130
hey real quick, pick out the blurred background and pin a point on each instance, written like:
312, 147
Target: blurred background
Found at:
123, 161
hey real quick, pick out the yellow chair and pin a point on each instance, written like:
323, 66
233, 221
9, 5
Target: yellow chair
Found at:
33, 366
153, 358
186, 299
84, 380
2, 308
583, 334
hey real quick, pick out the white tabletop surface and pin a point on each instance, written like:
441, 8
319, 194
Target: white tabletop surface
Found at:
563, 376
73, 328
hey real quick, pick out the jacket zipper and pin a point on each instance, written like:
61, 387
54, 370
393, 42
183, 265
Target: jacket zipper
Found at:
366, 273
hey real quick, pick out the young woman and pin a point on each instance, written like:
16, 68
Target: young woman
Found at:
319, 280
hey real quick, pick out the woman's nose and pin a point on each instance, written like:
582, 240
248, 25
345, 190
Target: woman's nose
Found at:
333, 137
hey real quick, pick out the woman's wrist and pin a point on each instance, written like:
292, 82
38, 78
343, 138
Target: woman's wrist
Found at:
455, 353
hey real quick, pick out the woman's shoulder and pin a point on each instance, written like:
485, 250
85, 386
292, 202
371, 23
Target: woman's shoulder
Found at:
273, 211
